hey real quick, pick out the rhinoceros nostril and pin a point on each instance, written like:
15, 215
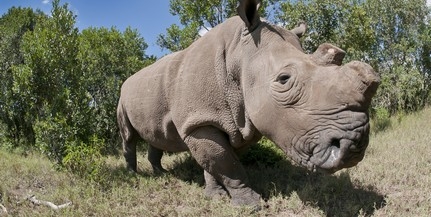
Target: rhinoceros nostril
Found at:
335, 143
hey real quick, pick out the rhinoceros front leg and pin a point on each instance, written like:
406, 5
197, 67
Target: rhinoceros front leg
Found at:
211, 149
155, 157
213, 189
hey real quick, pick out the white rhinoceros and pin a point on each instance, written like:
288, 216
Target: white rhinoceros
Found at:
244, 79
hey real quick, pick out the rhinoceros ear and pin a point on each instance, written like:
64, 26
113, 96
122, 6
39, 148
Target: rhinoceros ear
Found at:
327, 54
248, 10
300, 29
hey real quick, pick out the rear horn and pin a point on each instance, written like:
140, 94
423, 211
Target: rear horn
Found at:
300, 29
327, 54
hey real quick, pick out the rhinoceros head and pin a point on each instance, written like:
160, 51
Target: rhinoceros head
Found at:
310, 105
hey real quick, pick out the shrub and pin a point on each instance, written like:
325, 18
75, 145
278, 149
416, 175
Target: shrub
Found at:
380, 120
61, 143
53, 135
402, 89
86, 160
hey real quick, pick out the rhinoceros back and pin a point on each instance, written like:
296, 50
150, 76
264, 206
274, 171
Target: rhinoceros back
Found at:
168, 100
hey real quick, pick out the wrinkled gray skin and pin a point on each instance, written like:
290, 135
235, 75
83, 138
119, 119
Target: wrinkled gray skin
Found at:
244, 79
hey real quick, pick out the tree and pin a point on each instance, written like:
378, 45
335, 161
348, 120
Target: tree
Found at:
62, 86
392, 36
199, 15
343, 23
177, 39
54, 96
14, 110
107, 57
401, 52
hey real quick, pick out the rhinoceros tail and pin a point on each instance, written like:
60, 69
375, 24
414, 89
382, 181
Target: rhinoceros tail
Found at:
128, 135
126, 129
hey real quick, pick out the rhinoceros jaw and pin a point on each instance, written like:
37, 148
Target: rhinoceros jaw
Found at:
331, 160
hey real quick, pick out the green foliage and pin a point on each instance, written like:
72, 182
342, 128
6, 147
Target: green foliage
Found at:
14, 113
322, 18
205, 13
402, 89
54, 97
61, 87
345, 24
177, 39
402, 57
209, 13
264, 153
380, 120
196, 15
87, 161
53, 135
107, 57
394, 37
50, 52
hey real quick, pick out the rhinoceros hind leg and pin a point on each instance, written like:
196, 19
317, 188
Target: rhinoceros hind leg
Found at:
155, 157
129, 137
211, 149
129, 153
213, 189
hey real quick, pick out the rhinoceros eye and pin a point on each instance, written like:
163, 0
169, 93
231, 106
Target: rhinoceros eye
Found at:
283, 78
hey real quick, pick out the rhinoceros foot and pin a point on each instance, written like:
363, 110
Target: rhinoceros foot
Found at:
155, 156
245, 197
215, 192
213, 189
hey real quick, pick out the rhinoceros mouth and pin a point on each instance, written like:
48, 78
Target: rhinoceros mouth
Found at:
334, 157
329, 157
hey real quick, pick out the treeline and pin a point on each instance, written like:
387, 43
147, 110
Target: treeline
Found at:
393, 36
60, 86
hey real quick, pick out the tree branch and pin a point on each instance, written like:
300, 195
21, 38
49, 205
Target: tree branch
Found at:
3, 209
35, 201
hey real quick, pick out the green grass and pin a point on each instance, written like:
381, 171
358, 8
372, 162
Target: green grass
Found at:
394, 179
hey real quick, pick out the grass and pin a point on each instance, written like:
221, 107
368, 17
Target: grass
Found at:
394, 179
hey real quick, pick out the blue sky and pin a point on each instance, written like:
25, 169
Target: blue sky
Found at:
149, 17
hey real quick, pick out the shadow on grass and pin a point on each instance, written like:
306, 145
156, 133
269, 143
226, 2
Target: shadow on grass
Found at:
335, 195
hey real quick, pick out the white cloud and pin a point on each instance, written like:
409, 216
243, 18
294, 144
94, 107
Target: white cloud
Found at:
429, 3
45, 2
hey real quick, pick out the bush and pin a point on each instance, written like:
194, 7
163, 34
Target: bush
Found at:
60, 142
53, 135
380, 120
86, 160
402, 89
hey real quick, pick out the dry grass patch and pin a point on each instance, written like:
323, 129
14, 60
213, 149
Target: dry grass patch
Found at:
394, 179
398, 165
